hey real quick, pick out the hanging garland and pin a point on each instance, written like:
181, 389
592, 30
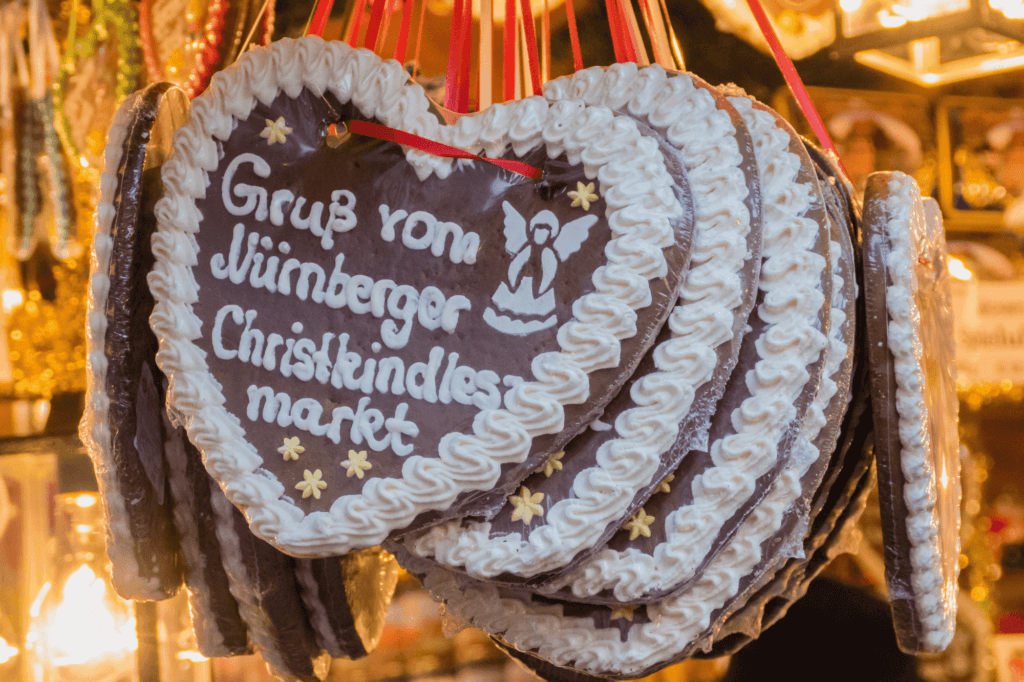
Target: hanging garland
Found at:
112, 20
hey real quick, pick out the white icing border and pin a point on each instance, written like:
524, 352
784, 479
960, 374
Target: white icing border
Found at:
610, 149
692, 529
902, 206
675, 621
94, 429
711, 290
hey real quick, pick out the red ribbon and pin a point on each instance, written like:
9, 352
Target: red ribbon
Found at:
451, 80
357, 19
629, 38
380, 132
320, 16
509, 79
466, 36
403, 32
531, 46
796, 86
574, 38
373, 29
616, 31
419, 38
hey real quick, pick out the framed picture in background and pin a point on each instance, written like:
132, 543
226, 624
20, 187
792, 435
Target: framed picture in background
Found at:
981, 162
873, 131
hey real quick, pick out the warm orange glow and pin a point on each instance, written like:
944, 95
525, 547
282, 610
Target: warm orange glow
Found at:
191, 656
903, 12
1011, 9
949, 72
12, 298
83, 627
86, 500
957, 270
7, 652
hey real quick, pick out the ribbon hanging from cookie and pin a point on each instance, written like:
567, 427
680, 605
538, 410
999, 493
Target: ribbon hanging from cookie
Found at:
793, 80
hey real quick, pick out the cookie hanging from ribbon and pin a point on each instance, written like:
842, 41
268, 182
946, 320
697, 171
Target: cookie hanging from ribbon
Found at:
362, 338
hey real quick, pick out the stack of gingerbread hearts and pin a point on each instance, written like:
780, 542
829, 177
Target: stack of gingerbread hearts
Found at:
168, 522
594, 365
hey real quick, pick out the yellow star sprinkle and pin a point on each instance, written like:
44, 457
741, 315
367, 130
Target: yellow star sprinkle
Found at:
639, 525
663, 486
526, 505
356, 464
552, 465
291, 448
275, 131
312, 485
583, 195
623, 611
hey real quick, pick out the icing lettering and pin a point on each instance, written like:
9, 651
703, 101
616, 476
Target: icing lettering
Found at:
255, 197
440, 379
340, 216
421, 230
362, 295
464, 246
305, 413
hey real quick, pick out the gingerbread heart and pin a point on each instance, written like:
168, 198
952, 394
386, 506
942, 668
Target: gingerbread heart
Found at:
915, 408
123, 422
362, 338
666, 407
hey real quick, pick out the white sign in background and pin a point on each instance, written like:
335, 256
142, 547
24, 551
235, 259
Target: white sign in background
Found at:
989, 322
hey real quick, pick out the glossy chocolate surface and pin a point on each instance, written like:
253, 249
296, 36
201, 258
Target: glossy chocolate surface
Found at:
135, 385
478, 198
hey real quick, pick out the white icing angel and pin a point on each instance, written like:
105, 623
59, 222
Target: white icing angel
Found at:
538, 248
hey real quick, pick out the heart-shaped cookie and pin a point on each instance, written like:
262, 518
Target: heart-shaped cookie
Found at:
357, 335
771, 411
123, 422
914, 402
666, 407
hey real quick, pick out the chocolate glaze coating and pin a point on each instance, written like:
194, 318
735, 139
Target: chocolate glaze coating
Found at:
134, 382
771, 602
767, 600
353, 592
283, 631
377, 173
581, 452
697, 460
208, 582
843, 458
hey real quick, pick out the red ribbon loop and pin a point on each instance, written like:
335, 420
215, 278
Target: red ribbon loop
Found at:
380, 132
320, 16
574, 37
796, 85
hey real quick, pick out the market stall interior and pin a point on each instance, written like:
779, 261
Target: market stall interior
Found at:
730, 314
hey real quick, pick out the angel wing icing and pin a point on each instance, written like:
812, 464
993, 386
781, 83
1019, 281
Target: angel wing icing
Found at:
538, 248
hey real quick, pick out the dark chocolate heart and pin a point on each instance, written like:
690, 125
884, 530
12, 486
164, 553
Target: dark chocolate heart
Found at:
123, 422
430, 331
666, 406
